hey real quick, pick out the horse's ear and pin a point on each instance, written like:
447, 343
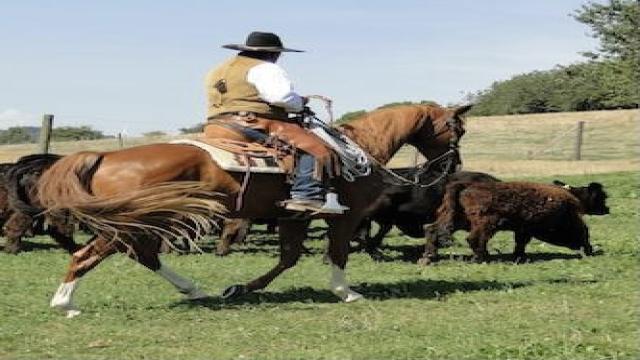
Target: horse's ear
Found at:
558, 183
462, 109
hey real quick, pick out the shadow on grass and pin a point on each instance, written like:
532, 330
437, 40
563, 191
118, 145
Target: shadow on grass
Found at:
418, 289
412, 254
27, 246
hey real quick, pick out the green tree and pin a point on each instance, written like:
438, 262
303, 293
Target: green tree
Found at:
154, 134
73, 133
617, 26
346, 117
197, 128
19, 135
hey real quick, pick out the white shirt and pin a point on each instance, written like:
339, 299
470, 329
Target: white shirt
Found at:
274, 86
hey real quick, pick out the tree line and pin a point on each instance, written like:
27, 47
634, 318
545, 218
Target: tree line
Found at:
609, 78
31, 134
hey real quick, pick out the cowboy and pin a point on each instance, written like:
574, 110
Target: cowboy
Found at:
250, 98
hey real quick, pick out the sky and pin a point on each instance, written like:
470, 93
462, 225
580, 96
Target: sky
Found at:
135, 66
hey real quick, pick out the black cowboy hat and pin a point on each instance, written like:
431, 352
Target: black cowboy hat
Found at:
261, 41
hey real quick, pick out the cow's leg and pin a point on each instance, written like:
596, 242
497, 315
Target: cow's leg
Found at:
17, 226
431, 245
584, 235
372, 246
522, 239
62, 233
82, 262
272, 226
292, 234
341, 231
233, 231
478, 238
362, 235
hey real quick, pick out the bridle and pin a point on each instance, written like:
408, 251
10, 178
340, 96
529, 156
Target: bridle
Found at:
446, 163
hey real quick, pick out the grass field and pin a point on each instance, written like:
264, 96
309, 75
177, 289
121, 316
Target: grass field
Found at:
555, 307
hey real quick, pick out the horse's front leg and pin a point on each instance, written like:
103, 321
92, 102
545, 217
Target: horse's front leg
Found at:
341, 231
292, 233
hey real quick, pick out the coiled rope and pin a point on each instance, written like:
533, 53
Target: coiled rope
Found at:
355, 161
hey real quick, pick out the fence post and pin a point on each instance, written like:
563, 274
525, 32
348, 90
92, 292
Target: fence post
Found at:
45, 133
577, 149
120, 141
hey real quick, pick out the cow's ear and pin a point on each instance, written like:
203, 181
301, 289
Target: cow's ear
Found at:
461, 110
595, 186
558, 183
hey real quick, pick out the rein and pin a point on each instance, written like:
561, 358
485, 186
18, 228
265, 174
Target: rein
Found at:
452, 155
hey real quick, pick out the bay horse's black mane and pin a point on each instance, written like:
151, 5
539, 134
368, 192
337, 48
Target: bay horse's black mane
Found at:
21, 178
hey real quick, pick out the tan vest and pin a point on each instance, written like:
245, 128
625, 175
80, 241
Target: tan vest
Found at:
229, 91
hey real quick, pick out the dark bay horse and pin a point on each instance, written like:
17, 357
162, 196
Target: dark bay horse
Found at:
142, 187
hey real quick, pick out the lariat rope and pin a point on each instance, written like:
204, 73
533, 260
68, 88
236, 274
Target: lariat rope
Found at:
355, 161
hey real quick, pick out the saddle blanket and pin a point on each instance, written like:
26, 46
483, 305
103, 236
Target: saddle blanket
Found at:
235, 162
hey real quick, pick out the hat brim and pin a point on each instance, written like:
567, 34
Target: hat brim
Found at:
241, 47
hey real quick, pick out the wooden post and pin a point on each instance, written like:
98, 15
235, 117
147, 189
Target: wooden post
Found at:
45, 133
577, 150
120, 141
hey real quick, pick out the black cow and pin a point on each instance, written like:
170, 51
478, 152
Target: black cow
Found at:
25, 217
409, 207
4, 195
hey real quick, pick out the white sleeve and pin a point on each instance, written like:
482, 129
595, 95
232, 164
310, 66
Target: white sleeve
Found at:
274, 87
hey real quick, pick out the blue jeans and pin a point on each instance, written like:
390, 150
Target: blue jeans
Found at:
305, 186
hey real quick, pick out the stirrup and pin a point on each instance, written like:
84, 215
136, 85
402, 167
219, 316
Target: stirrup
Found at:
332, 205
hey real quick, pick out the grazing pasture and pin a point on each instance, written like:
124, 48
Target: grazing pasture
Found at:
557, 306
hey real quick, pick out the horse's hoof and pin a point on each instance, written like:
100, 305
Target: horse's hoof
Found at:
376, 255
12, 249
73, 313
353, 296
222, 252
197, 294
234, 291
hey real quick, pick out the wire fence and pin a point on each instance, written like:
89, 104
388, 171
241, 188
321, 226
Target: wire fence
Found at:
605, 135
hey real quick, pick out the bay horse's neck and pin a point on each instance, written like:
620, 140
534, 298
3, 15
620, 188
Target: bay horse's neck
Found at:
381, 133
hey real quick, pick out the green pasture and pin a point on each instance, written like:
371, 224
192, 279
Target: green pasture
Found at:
557, 306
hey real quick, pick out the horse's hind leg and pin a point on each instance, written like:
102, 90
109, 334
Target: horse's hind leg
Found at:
341, 231
146, 253
82, 262
292, 234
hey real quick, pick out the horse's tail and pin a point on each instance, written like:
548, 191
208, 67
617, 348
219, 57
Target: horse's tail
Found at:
168, 210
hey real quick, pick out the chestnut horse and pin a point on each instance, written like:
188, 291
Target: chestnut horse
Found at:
130, 197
